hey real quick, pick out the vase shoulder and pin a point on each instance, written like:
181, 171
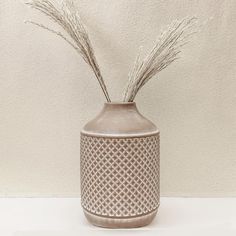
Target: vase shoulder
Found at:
120, 119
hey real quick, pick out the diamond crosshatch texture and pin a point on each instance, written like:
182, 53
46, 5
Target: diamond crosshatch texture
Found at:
120, 176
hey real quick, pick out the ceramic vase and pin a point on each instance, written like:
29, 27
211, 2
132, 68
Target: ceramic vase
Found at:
120, 168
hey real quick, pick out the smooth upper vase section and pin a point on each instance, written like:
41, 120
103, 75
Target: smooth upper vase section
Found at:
120, 120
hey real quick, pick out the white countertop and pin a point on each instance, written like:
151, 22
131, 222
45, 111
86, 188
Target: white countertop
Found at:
64, 217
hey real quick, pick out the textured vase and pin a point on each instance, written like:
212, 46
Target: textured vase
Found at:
120, 168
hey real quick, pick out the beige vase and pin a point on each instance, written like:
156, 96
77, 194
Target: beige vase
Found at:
120, 168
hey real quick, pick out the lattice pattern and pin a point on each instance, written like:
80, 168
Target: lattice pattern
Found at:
120, 176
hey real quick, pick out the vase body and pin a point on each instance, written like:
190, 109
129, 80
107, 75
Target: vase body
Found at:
120, 168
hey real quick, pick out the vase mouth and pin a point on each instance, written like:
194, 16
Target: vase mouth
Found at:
119, 103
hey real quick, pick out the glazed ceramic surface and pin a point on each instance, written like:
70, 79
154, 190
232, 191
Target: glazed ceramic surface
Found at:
120, 168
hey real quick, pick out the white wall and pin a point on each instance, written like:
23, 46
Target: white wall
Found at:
47, 94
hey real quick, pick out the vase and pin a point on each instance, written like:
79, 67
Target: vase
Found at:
120, 168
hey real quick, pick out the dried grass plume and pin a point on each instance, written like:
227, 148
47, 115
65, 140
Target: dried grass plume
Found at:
164, 52
74, 32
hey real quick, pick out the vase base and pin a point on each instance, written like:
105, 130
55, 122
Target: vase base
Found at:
126, 222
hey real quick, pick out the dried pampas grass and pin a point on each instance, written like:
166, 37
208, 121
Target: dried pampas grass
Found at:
68, 18
164, 52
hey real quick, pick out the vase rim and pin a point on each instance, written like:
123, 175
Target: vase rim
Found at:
119, 103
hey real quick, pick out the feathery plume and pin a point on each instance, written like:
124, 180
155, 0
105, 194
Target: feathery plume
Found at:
164, 52
67, 17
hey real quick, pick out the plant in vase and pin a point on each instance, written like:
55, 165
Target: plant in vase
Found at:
119, 148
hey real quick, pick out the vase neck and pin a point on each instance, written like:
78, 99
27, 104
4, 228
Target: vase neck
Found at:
120, 120
120, 106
